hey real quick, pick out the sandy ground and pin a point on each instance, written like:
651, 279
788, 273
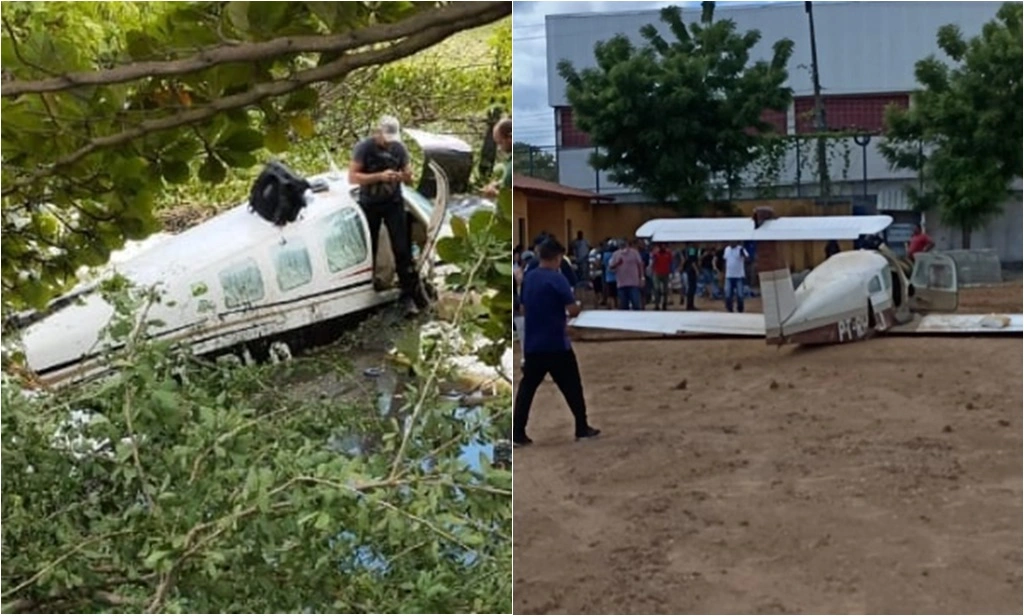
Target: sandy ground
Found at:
732, 477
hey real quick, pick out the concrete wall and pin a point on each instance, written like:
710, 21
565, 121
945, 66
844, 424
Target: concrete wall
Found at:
1003, 234
976, 267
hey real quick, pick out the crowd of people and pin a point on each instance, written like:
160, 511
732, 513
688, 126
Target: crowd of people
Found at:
633, 274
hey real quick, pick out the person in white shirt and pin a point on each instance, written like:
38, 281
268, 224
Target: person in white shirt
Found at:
735, 275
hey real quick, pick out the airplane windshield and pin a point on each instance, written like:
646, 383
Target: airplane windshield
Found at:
423, 204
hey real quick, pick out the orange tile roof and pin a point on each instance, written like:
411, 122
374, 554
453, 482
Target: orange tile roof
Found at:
538, 186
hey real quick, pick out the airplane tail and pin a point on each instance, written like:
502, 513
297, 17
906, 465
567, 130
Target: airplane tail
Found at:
778, 297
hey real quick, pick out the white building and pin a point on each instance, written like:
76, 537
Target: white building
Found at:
866, 56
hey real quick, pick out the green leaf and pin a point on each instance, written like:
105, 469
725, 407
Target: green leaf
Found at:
303, 126
307, 98
175, 171
459, 228
276, 139
245, 140
212, 171
155, 558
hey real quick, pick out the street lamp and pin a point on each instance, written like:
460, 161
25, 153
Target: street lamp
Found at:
863, 141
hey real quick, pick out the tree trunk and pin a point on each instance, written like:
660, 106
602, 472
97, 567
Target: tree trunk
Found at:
965, 238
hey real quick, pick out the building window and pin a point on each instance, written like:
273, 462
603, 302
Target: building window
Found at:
568, 135
862, 112
291, 262
345, 242
242, 283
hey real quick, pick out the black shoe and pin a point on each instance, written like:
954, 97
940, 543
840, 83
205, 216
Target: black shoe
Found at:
590, 433
522, 441
409, 308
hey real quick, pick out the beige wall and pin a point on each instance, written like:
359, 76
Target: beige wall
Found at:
544, 215
520, 217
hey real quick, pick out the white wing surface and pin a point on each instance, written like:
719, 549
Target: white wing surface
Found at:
673, 322
936, 324
793, 228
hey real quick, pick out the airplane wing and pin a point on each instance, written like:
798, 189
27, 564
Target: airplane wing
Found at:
937, 324
673, 322
688, 230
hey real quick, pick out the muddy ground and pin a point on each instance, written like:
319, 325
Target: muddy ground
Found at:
732, 477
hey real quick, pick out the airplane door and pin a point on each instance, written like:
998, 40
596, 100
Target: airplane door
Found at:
934, 283
437, 216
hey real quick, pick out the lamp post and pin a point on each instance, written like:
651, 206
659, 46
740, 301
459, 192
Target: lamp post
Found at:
863, 141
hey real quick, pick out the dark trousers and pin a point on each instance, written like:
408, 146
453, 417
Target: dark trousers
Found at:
393, 215
691, 289
565, 372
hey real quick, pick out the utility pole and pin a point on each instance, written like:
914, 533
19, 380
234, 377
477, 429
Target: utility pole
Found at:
825, 185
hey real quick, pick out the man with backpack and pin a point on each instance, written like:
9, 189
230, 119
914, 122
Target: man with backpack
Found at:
380, 164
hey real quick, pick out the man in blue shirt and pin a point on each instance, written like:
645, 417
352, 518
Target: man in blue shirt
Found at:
565, 267
546, 298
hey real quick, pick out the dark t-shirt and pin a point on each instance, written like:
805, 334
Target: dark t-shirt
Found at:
375, 159
566, 268
707, 260
546, 293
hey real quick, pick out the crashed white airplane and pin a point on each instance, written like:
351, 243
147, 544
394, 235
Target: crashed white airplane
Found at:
852, 296
238, 282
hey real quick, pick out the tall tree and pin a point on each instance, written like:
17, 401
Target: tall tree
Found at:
670, 117
962, 132
103, 108
532, 161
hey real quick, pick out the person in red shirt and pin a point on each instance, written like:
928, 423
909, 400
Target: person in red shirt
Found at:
919, 242
661, 266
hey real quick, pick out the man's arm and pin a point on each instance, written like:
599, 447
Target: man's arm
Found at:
572, 307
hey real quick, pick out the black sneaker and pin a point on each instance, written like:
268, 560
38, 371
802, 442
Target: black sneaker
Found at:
522, 441
590, 433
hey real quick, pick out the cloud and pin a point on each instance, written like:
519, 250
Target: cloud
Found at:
534, 120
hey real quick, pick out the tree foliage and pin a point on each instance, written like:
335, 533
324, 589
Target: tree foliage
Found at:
186, 487
671, 116
962, 132
98, 120
533, 161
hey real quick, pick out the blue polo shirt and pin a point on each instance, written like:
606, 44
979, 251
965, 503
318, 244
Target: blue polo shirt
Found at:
545, 295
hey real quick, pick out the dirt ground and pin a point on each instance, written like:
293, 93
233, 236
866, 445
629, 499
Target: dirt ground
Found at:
732, 477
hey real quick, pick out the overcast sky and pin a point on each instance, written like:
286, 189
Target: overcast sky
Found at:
534, 120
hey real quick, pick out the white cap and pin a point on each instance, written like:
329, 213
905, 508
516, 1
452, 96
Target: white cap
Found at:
390, 128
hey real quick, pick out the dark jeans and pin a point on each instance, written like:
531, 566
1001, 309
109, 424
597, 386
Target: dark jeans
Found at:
734, 288
661, 291
629, 298
393, 215
565, 372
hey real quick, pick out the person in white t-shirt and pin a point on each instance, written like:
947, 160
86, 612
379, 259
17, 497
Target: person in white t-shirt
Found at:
735, 275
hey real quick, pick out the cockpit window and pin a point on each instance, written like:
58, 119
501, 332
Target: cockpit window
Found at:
875, 286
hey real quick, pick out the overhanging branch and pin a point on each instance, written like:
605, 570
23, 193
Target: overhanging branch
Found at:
478, 13
484, 13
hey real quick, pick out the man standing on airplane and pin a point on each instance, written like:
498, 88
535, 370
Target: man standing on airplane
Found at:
380, 165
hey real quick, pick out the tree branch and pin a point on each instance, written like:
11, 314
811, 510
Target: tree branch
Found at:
478, 12
338, 68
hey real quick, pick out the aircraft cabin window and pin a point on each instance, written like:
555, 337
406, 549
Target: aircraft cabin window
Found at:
291, 261
345, 242
242, 283
875, 286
